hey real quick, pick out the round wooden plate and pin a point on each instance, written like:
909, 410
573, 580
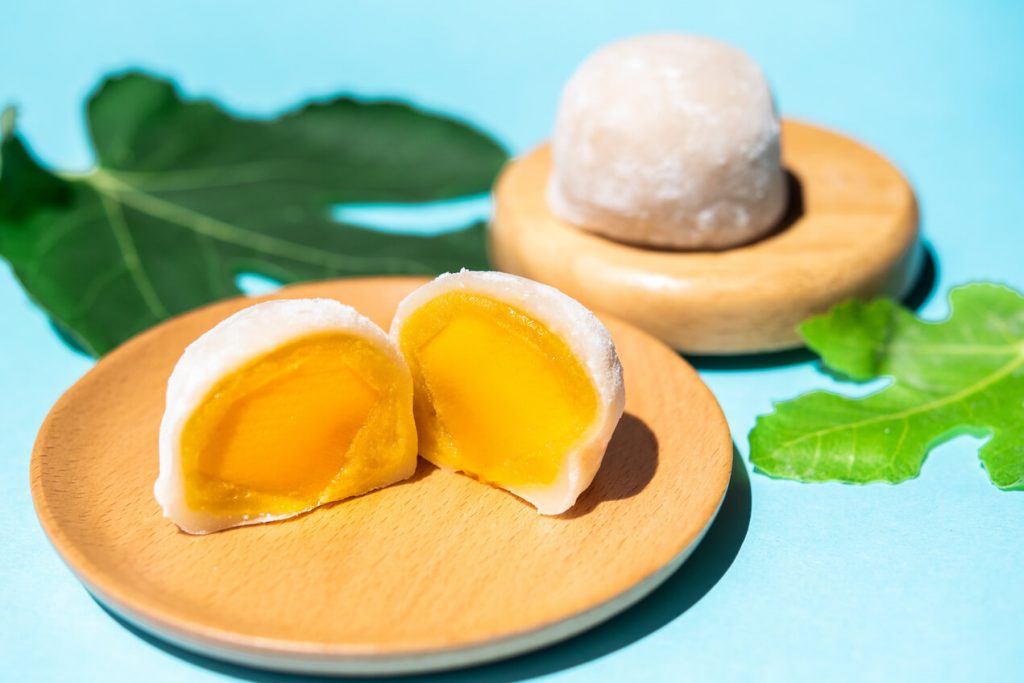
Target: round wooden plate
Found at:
851, 231
437, 572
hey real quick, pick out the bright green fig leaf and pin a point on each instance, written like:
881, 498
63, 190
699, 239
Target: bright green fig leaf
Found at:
185, 197
962, 375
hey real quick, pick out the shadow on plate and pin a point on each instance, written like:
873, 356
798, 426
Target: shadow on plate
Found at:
628, 466
698, 575
794, 206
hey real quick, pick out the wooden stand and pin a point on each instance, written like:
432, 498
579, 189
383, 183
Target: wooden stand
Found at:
851, 232
437, 572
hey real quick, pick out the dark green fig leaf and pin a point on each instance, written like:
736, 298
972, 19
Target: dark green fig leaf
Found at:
185, 197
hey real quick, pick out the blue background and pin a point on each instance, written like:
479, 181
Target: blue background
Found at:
798, 582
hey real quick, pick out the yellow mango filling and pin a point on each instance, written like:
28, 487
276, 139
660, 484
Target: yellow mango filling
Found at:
318, 419
497, 394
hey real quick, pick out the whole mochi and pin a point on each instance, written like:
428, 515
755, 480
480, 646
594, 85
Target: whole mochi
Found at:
669, 141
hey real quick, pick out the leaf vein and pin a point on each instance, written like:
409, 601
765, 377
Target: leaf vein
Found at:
125, 243
928, 406
237, 235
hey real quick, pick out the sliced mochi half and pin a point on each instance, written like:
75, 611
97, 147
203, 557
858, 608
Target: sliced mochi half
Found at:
516, 384
282, 407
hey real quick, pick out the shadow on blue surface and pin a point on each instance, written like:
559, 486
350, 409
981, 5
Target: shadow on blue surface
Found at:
672, 599
69, 341
924, 287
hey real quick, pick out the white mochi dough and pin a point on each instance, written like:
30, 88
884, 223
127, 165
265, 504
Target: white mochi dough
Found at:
668, 141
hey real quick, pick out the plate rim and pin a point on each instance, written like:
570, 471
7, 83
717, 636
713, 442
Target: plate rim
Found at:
294, 661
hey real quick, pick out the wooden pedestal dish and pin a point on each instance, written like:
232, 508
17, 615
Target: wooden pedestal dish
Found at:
851, 231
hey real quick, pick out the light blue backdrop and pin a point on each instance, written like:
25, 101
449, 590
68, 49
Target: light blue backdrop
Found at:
829, 582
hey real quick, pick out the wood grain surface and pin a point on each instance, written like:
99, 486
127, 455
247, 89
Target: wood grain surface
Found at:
439, 571
851, 231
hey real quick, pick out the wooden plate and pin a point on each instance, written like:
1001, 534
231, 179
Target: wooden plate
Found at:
437, 572
851, 231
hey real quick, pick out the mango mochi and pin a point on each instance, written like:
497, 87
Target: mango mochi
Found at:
515, 383
291, 404
282, 407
